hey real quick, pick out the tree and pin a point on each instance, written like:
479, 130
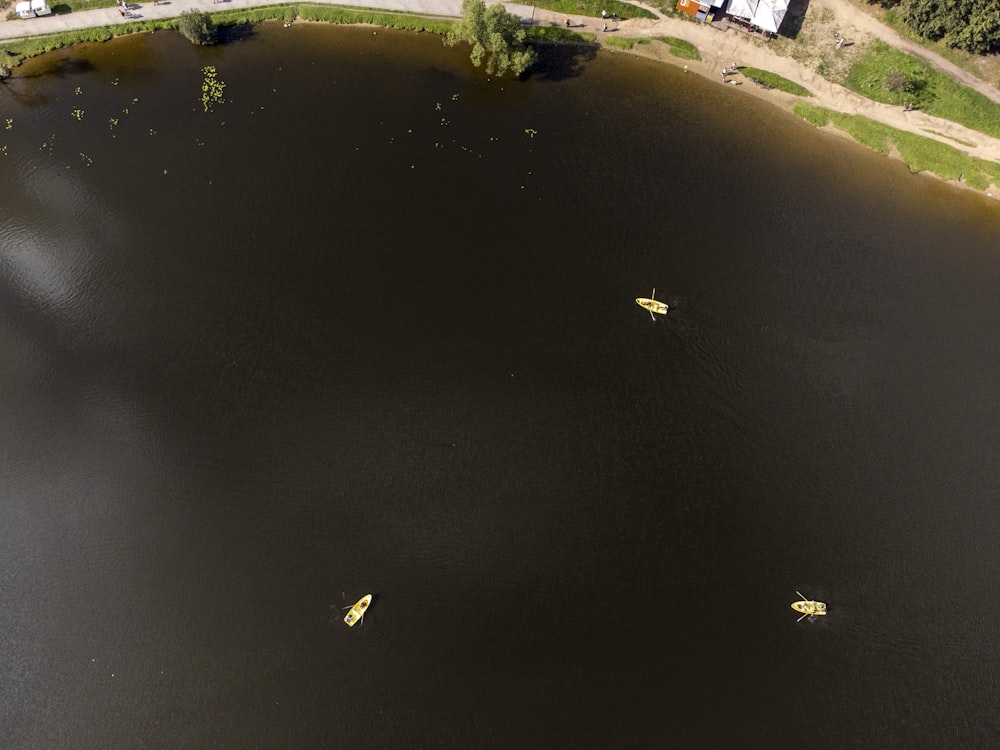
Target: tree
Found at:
495, 34
198, 27
972, 25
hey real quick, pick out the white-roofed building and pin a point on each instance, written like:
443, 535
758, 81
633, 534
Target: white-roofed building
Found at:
764, 14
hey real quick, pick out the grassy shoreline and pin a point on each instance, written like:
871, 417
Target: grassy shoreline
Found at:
918, 153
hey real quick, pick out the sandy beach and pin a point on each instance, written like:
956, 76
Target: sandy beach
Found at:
719, 47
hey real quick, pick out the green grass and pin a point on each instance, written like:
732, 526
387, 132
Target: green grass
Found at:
559, 34
593, 8
773, 79
622, 42
334, 14
680, 48
919, 153
928, 90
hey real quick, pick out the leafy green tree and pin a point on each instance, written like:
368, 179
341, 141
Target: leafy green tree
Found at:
494, 34
198, 27
971, 25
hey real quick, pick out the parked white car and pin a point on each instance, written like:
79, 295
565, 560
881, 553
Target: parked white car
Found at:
32, 9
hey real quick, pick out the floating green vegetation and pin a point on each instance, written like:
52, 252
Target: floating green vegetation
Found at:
87, 161
211, 88
531, 132
77, 113
679, 47
10, 123
919, 153
773, 80
78, 91
889, 76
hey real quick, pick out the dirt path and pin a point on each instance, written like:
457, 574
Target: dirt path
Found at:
853, 17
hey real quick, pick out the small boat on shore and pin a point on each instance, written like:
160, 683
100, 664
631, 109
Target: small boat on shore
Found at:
808, 607
357, 613
652, 305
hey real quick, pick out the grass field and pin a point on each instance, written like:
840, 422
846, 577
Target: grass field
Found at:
680, 48
593, 8
879, 72
559, 34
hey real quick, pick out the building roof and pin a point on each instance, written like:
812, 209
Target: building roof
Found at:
767, 14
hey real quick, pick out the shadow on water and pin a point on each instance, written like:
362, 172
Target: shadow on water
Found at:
61, 67
794, 16
239, 32
558, 62
18, 88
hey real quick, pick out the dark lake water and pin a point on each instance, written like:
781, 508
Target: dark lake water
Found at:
368, 326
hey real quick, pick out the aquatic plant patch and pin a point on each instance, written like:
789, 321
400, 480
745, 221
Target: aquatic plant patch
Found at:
212, 88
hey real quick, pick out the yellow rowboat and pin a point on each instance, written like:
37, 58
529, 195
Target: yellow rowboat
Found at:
357, 612
653, 305
808, 607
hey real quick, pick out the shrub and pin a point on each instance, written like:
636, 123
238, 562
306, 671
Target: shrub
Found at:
198, 27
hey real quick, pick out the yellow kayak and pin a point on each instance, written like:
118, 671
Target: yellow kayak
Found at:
809, 607
357, 612
653, 305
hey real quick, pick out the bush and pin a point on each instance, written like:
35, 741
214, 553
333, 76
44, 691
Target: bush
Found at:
198, 27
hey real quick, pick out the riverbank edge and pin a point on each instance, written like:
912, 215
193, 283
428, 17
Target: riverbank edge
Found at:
989, 185
800, 106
